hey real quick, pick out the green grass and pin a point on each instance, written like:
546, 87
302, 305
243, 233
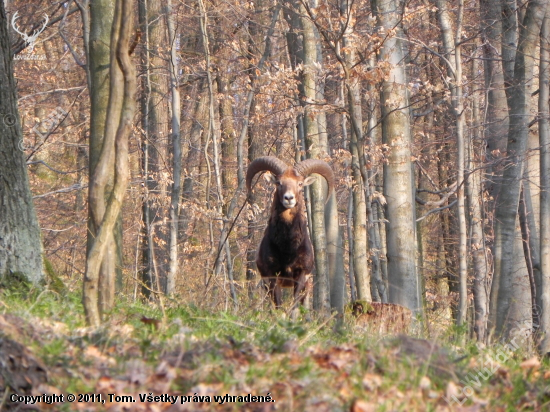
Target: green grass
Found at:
306, 365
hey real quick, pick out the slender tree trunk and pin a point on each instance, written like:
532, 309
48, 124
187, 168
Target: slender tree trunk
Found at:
20, 244
454, 69
335, 251
360, 238
155, 126
349, 226
253, 153
544, 140
480, 264
335, 254
321, 300
176, 153
530, 251
192, 161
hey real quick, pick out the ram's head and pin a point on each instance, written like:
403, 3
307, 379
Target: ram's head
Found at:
290, 181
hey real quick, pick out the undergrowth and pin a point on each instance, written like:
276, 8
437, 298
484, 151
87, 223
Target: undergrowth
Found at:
308, 364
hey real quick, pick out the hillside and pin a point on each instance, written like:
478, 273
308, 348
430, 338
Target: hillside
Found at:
140, 361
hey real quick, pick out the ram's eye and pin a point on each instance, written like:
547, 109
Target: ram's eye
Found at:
278, 183
301, 184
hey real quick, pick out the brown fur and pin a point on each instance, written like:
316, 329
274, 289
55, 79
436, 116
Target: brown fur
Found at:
285, 254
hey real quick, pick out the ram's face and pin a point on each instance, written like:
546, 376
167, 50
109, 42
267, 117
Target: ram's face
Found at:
289, 187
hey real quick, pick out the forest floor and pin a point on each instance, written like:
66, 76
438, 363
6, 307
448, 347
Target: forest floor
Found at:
192, 359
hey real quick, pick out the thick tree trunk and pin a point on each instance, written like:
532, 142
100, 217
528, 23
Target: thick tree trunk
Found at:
102, 134
124, 86
496, 124
20, 244
506, 212
404, 285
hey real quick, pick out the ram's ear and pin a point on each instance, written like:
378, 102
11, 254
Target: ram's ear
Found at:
309, 180
270, 177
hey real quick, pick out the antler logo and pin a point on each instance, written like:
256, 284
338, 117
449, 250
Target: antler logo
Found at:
31, 40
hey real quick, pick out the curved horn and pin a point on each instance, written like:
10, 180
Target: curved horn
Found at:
270, 163
309, 166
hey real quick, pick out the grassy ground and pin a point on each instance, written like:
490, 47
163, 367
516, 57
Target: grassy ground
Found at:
207, 360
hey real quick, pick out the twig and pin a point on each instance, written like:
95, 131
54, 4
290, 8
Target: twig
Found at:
436, 210
226, 321
71, 188
5, 397
314, 332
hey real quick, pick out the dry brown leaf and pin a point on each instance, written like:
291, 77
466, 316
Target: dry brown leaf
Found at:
161, 380
532, 363
47, 390
371, 381
363, 406
453, 390
425, 385
336, 358
94, 353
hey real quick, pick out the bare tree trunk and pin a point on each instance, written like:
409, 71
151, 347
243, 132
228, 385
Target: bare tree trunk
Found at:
335, 254
253, 153
154, 112
544, 140
318, 192
496, 124
20, 244
454, 69
349, 228
125, 86
192, 161
379, 290
480, 265
360, 239
176, 153
213, 135
404, 285
530, 245
101, 50
507, 208
335, 251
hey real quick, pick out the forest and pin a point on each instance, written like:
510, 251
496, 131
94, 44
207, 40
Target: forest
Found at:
129, 228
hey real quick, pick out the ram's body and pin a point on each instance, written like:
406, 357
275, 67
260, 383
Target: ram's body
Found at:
285, 254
